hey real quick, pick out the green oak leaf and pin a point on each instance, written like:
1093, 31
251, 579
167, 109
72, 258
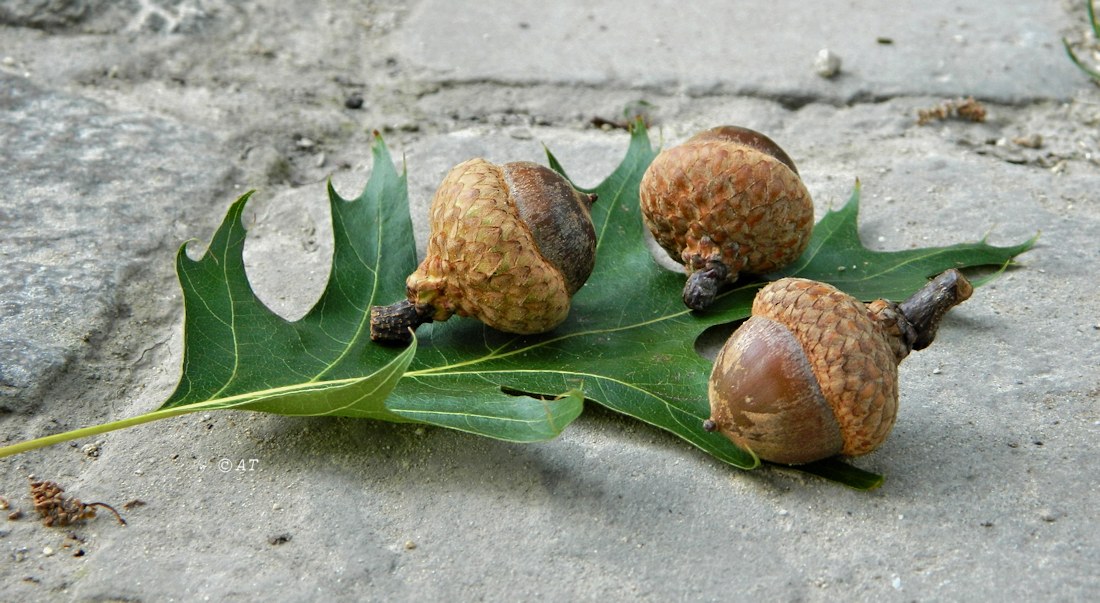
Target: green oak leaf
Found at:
235, 346
240, 355
628, 344
837, 256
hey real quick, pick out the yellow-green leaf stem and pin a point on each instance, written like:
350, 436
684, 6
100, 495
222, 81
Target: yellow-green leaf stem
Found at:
306, 399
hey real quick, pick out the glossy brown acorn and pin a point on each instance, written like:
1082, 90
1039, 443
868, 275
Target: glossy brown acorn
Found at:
813, 373
727, 201
510, 244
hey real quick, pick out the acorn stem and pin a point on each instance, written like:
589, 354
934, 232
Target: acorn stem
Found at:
925, 309
702, 285
394, 324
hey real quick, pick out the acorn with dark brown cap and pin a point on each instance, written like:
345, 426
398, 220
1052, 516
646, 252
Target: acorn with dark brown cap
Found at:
510, 244
813, 373
726, 202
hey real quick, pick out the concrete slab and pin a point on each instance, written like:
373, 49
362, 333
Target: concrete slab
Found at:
1003, 52
83, 186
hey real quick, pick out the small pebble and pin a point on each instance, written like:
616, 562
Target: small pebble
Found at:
936, 371
1049, 515
521, 133
48, 551
354, 101
279, 539
826, 63
1031, 141
409, 545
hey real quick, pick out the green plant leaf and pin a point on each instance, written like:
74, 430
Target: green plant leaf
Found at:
837, 256
235, 346
628, 344
1095, 23
1090, 10
625, 344
833, 469
240, 355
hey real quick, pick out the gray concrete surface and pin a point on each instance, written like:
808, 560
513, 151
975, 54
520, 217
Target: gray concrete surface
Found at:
126, 128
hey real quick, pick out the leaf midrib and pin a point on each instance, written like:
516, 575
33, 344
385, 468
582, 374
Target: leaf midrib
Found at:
232, 324
576, 374
364, 315
494, 356
619, 192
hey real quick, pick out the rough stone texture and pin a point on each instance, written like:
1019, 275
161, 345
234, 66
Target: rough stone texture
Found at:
943, 47
990, 469
83, 188
47, 13
173, 16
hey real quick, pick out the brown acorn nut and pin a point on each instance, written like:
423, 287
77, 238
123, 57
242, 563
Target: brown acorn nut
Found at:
813, 373
727, 201
510, 244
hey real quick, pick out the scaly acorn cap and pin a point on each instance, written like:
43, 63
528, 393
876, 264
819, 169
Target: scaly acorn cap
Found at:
726, 201
509, 245
813, 372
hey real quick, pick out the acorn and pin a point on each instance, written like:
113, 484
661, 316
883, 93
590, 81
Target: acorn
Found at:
510, 244
813, 372
727, 201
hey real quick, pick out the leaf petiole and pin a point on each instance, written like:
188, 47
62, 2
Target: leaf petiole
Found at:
94, 430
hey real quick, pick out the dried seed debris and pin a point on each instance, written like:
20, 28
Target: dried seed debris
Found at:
967, 109
59, 510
